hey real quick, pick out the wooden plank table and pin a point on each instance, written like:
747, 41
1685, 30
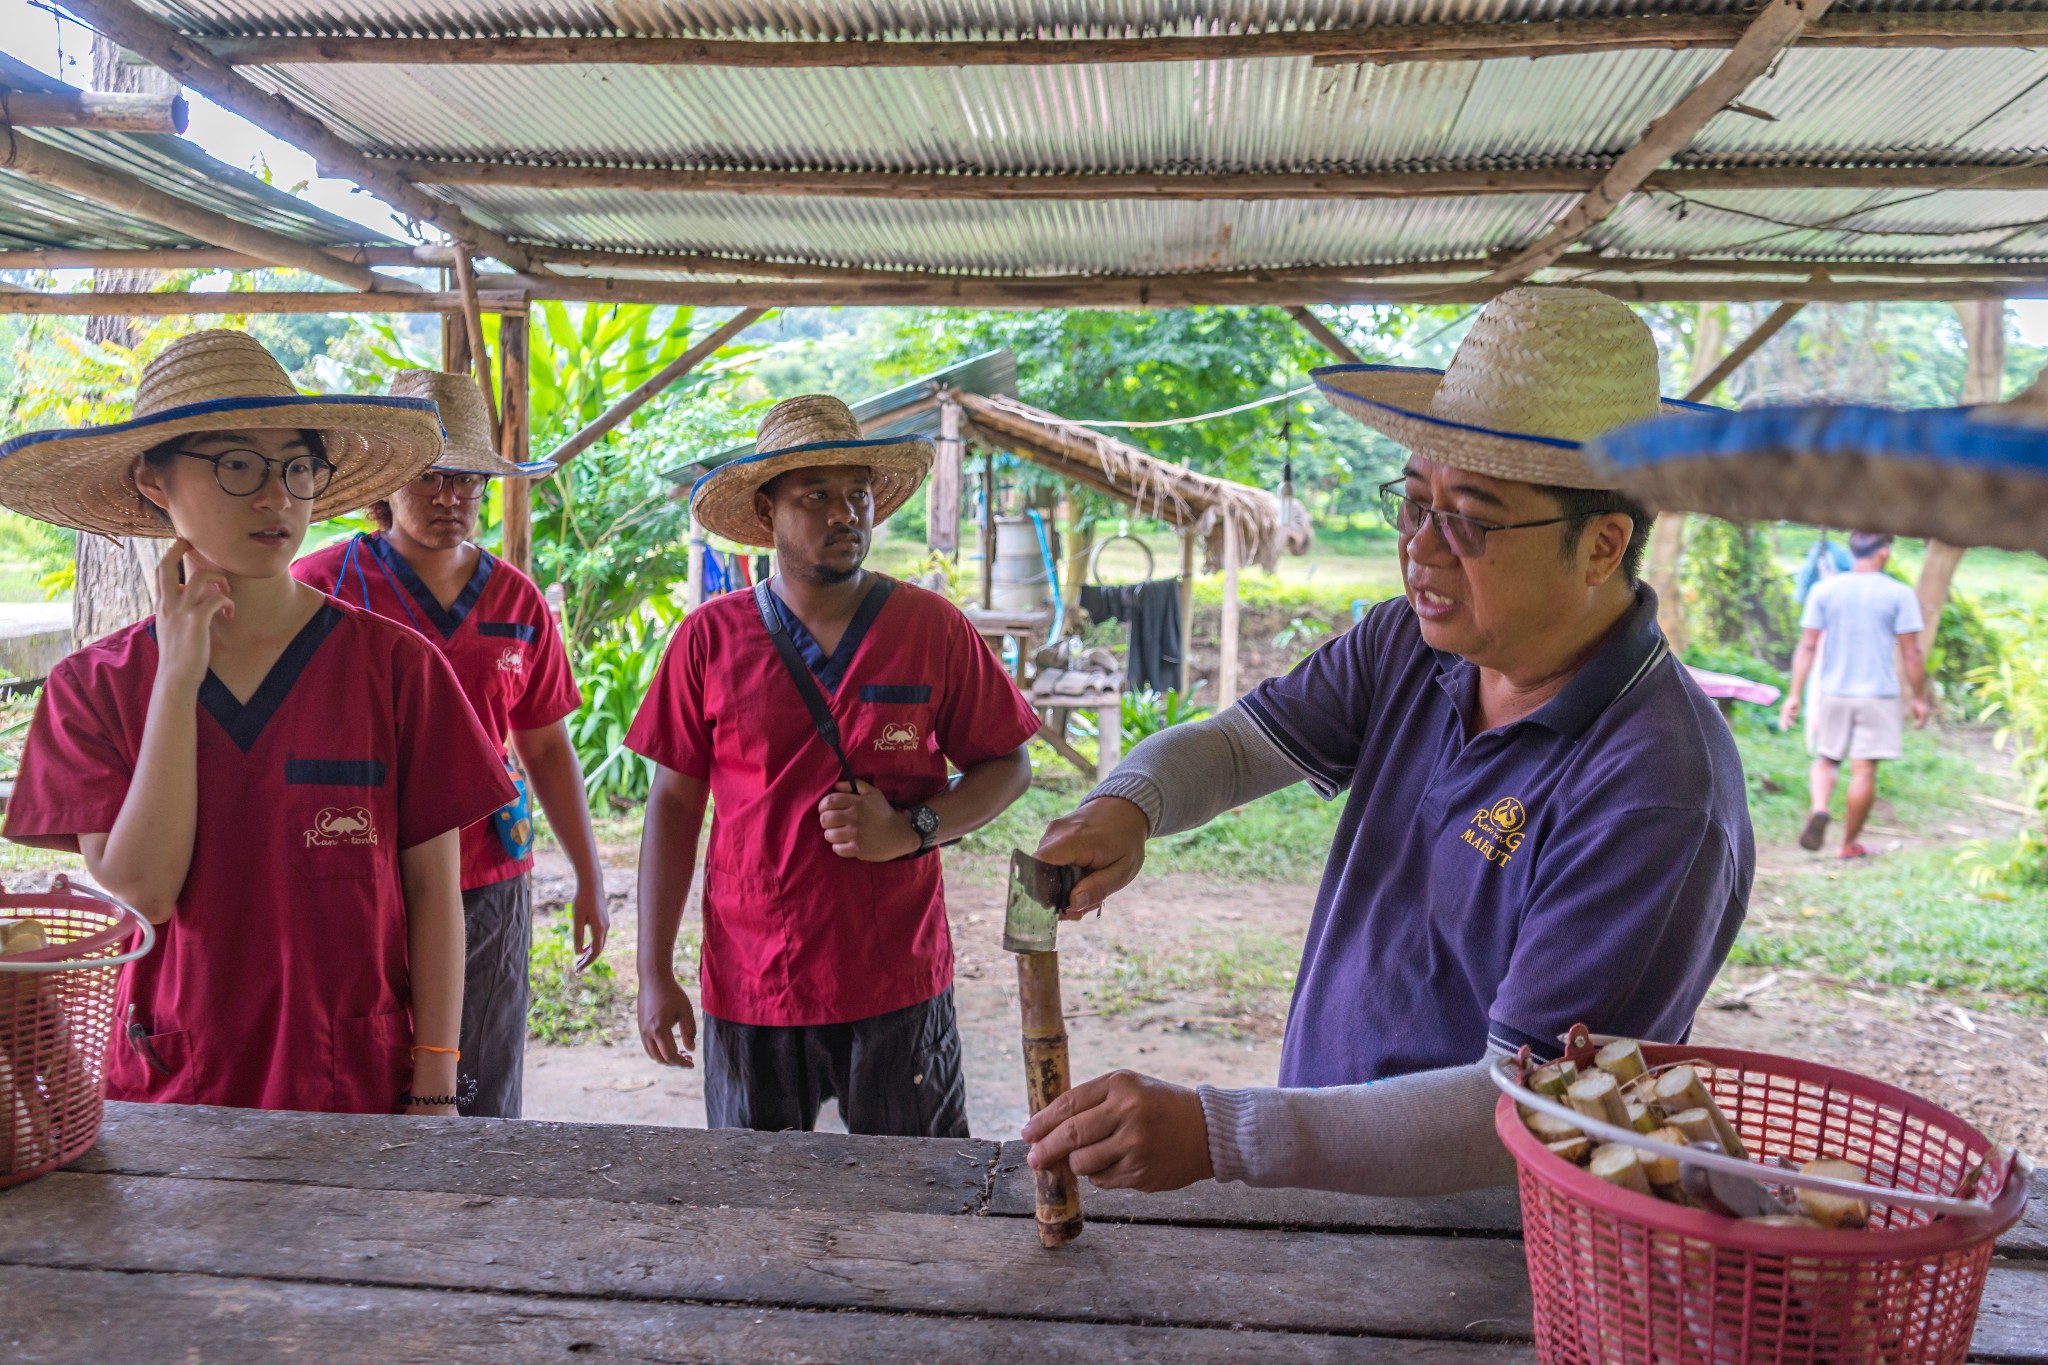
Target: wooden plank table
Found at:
222, 1235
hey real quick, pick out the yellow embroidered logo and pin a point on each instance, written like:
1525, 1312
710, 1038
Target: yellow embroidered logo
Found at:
1496, 831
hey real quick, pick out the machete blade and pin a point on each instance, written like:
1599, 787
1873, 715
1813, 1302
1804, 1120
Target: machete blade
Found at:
1038, 892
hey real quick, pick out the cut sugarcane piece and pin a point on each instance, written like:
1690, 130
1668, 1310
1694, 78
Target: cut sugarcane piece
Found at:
1619, 1165
1783, 1220
1642, 1090
1662, 1171
1826, 1208
1642, 1118
22, 936
1680, 1089
1572, 1149
1548, 1129
1555, 1079
1598, 1096
1621, 1059
1697, 1125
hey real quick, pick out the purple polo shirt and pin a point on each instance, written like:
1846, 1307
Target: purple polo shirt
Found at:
1589, 863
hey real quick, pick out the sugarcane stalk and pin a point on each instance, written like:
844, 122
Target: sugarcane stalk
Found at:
1621, 1059
1598, 1096
1680, 1089
1046, 1079
1619, 1165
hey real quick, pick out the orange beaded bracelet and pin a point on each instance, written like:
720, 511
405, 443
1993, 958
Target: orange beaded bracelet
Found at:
418, 1048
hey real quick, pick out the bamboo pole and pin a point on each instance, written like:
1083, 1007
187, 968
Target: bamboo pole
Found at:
1380, 44
48, 165
942, 497
1046, 1079
221, 303
96, 111
203, 258
1774, 28
473, 323
195, 67
988, 528
514, 443
829, 183
656, 385
1326, 338
1187, 611
1226, 669
695, 593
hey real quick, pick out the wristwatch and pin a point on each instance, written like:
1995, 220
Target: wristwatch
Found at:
925, 821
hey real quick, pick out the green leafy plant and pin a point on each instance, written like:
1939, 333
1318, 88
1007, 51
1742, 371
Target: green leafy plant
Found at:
1146, 713
2014, 689
615, 671
1301, 634
1739, 596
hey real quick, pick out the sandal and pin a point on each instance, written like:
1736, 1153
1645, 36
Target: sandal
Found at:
1853, 851
1815, 831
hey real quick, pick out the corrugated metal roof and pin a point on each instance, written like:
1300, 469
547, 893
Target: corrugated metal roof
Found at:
33, 215
1829, 107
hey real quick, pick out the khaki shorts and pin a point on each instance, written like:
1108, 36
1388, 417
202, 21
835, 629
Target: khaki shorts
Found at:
1854, 727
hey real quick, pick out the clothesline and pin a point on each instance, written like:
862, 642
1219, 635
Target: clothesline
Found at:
1200, 417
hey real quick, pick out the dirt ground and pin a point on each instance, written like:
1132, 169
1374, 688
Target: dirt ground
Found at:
1188, 977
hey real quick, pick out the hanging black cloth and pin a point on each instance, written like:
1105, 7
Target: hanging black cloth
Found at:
1153, 611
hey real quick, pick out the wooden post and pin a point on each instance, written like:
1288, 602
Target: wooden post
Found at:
1109, 738
479, 353
1187, 612
693, 596
1983, 382
988, 530
1324, 336
517, 542
942, 494
1667, 537
455, 357
1226, 669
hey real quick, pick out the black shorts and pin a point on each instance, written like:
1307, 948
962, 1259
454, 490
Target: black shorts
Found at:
895, 1075
497, 922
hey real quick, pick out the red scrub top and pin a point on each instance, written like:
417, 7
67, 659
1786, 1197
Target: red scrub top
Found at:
793, 933
498, 636
280, 981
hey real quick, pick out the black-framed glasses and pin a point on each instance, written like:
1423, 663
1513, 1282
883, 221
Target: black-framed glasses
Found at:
466, 486
242, 473
1465, 537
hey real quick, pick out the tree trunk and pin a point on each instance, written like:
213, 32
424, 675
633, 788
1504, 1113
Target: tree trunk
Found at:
1983, 382
1667, 538
116, 579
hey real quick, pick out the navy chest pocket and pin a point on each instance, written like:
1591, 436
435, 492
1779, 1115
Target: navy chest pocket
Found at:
508, 630
337, 816
896, 694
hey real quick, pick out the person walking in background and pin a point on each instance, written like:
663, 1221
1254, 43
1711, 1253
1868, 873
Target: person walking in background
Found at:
1861, 624
494, 628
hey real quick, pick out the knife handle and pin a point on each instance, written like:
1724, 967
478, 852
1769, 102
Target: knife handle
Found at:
1046, 1078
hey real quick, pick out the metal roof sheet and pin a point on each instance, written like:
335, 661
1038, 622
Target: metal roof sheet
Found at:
1827, 107
33, 215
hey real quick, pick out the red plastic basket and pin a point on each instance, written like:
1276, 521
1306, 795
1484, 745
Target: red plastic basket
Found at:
56, 1007
1620, 1277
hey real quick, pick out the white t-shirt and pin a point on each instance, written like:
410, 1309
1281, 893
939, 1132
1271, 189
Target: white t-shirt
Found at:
1861, 616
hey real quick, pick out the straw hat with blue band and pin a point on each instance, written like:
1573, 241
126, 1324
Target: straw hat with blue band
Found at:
1969, 476
798, 433
468, 447
84, 477
1541, 372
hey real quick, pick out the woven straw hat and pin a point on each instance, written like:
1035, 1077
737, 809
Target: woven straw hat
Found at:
1541, 372
468, 448
798, 433
84, 477
1969, 476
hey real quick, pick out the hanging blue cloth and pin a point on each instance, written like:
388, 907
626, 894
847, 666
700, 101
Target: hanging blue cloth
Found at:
1826, 559
714, 575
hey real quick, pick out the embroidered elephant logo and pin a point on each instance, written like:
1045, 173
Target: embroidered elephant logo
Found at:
900, 735
341, 825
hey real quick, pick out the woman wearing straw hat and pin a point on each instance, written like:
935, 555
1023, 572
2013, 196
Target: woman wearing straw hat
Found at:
495, 629
1545, 821
827, 970
246, 766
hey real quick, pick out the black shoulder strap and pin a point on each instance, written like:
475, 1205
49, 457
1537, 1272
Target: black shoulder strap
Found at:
800, 673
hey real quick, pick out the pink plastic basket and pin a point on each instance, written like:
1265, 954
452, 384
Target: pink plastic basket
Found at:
56, 1008
1620, 1277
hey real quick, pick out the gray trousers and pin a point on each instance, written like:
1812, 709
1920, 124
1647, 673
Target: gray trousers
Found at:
497, 922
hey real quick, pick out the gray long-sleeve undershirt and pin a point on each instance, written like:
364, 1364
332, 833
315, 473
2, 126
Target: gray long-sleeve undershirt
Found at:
1427, 1133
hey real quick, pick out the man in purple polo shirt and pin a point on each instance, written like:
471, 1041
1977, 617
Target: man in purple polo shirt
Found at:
1545, 822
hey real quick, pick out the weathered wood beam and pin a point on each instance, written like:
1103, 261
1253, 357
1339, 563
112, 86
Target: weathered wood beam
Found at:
1382, 44
1751, 344
515, 440
1770, 33
707, 263
48, 165
195, 303
1119, 292
195, 67
94, 110
473, 328
1325, 338
656, 384
1193, 185
205, 258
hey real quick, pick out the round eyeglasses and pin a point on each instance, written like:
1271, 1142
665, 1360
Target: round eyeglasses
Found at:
242, 473
1462, 535
466, 487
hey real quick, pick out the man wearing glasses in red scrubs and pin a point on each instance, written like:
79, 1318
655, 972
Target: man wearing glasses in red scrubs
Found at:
495, 629
819, 714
